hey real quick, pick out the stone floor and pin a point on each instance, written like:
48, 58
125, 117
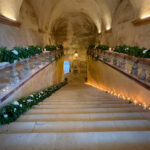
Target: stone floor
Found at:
79, 117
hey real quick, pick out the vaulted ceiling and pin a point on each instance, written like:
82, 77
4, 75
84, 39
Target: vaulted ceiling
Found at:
48, 12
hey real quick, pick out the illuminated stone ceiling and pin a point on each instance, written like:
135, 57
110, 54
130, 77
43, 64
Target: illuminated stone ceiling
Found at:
69, 20
49, 11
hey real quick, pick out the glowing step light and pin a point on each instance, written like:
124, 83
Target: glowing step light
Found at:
144, 106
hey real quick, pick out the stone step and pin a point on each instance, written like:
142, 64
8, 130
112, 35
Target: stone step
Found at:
78, 99
88, 110
86, 117
84, 106
76, 141
83, 102
94, 126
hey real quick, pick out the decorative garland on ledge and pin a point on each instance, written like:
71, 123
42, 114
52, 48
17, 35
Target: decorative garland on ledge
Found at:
124, 49
13, 111
20, 53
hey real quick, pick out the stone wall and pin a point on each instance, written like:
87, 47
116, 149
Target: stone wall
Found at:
26, 34
123, 31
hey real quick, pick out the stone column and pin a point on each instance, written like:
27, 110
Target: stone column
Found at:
13, 75
115, 61
43, 60
134, 70
27, 67
143, 75
36, 63
123, 64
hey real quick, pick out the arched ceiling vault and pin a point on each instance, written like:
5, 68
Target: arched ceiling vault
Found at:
48, 11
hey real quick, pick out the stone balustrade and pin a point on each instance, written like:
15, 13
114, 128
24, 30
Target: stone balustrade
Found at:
12, 75
138, 68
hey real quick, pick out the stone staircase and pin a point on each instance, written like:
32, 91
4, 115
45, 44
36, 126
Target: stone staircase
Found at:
79, 117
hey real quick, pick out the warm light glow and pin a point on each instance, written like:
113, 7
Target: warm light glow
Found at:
144, 106
99, 31
135, 102
119, 95
108, 28
11, 18
110, 49
14, 19
96, 86
144, 17
76, 55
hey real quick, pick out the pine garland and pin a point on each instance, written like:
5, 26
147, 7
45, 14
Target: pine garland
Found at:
18, 53
53, 47
102, 47
13, 111
133, 51
128, 50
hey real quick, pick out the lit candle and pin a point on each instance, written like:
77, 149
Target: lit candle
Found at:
144, 107
135, 102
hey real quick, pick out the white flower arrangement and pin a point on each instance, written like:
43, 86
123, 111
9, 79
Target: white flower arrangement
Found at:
5, 116
20, 105
15, 109
145, 51
15, 52
31, 96
29, 100
16, 103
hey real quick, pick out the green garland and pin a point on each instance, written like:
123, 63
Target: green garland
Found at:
52, 47
133, 51
91, 46
129, 50
18, 53
102, 47
99, 47
12, 112
60, 46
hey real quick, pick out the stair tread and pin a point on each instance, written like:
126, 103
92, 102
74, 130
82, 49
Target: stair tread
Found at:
79, 116
67, 141
85, 106
82, 117
99, 126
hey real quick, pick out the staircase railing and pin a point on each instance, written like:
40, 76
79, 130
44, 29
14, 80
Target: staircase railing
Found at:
14, 75
135, 68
